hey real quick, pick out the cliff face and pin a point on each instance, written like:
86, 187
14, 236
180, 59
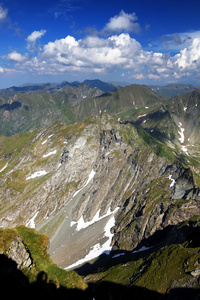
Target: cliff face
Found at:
165, 201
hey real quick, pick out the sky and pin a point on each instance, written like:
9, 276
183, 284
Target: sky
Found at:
139, 41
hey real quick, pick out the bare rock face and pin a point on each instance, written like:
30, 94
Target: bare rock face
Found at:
163, 202
19, 253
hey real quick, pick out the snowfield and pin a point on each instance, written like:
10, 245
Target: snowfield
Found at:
99, 249
81, 224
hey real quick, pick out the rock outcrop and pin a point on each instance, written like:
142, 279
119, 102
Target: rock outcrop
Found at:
19, 253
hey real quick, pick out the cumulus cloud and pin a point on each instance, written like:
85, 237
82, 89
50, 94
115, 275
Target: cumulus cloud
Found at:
110, 51
123, 22
189, 58
32, 39
3, 14
104, 55
16, 57
92, 52
35, 35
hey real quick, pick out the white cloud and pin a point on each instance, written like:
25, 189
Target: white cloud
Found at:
138, 76
3, 14
92, 52
153, 76
1, 70
106, 55
15, 56
122, 23
35, 35
32, 40
189, 58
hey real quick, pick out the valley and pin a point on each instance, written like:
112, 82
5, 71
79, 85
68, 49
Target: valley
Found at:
111, 178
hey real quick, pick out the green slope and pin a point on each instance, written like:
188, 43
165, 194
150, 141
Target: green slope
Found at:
118, 101
36, 247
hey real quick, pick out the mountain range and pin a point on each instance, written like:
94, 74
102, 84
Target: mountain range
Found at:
112, 180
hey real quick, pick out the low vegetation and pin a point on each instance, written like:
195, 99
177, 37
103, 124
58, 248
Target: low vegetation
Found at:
41, 262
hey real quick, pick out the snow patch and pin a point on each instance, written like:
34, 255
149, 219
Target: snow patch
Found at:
172, 180
59, 165
182, 138
37, 174
44, 142
47, 139
50, 153
31, 223
4, 167
91, 176
142, 116
81, 224
185, 150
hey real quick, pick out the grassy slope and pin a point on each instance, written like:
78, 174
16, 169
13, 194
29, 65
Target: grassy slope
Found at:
117, 101
37, 245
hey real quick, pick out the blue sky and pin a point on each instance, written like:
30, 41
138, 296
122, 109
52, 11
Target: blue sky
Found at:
140, 41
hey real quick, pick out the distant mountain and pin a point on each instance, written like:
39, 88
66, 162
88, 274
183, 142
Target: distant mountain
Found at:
38, 88
104, 86
24, 111
172, 90
129, 98
71, 104
58, 87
